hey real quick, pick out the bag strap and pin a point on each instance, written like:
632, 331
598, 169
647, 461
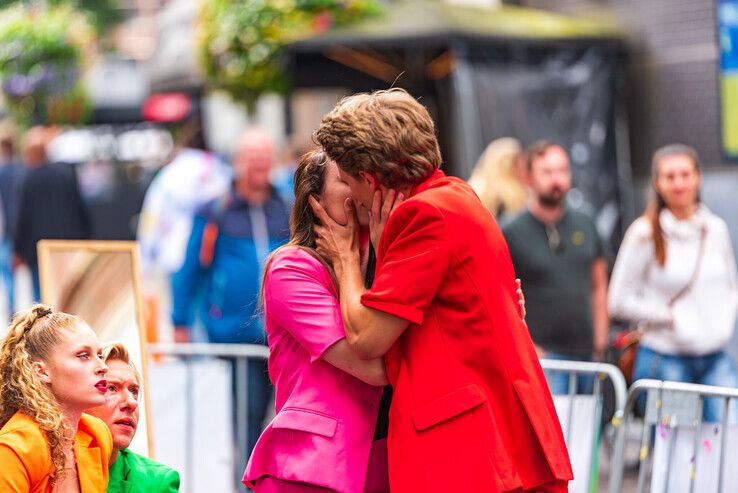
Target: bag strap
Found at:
212, 230
701, 253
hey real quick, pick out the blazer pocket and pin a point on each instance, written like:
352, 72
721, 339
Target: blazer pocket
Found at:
547, 428
447, 406
306, 420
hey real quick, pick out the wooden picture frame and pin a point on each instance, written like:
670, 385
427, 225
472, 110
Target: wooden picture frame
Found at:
100, 281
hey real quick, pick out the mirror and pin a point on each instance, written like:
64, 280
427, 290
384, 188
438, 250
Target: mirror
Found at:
99, 281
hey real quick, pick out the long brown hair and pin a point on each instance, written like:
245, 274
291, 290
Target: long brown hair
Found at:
309, 181
32, 336
656, 202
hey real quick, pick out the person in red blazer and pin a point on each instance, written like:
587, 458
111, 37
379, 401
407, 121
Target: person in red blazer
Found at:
471, 409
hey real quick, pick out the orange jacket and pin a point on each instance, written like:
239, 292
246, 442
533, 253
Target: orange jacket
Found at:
26, 457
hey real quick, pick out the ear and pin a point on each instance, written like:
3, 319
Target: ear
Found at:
369, 179
41, 371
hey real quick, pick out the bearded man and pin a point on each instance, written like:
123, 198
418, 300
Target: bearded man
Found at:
560, 258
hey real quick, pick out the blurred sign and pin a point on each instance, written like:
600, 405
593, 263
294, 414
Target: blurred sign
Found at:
150, 146
114, 165
116, 83
167, 107
727, 13
479, 4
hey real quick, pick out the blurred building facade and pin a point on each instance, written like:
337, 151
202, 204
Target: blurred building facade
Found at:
674, 87
674, 90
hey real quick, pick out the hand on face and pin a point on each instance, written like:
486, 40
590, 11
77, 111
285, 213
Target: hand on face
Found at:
382, 206
333, 240
334, 194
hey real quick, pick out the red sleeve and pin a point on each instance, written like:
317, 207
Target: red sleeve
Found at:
414, 255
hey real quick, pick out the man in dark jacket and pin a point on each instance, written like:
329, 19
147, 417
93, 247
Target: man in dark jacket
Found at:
50, 205
11, 174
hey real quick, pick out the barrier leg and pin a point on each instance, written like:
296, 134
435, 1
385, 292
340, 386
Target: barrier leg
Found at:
696, 444
190, 424
723, 443
242, 416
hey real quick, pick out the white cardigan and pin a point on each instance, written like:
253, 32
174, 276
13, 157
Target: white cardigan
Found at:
700, 322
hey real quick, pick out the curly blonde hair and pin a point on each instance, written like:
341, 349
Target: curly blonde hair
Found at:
386, 133
32, 336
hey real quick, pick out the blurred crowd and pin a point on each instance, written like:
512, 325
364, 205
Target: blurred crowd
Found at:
208, 224
672, 288
205, 230
40, 200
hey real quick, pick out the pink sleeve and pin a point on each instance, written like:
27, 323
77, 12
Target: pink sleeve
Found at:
299, 297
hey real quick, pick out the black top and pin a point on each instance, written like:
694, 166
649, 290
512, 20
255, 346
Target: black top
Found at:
554, 263
11, 179
49, 207
382, 428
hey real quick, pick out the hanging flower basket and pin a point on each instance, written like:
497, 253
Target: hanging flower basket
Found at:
41, 56
242, 42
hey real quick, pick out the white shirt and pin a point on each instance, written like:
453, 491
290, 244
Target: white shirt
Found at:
701, 321
191, 180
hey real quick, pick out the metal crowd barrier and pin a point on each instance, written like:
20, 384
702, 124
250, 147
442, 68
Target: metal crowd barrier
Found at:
240, 354
585, 454
671, 406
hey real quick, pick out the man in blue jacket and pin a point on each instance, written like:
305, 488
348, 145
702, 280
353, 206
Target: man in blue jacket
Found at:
220, 279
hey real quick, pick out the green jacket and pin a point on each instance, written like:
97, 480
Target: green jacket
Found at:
133, 473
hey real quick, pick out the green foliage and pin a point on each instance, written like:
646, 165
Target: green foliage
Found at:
41, 56
102, 14
242, 42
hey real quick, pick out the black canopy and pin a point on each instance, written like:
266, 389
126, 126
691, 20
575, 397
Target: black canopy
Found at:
490, 73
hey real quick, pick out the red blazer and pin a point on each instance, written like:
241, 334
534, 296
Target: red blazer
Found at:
471, 408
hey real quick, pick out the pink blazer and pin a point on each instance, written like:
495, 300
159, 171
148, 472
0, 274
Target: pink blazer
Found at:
325, 420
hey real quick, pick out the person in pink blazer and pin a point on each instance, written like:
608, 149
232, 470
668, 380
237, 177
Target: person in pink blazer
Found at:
327, 398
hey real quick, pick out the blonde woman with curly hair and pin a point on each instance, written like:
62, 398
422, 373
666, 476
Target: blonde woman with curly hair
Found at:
50, 371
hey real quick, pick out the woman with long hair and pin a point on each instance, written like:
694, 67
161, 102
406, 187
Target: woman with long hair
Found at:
50, 372
327, 398
675, 278
497, 177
